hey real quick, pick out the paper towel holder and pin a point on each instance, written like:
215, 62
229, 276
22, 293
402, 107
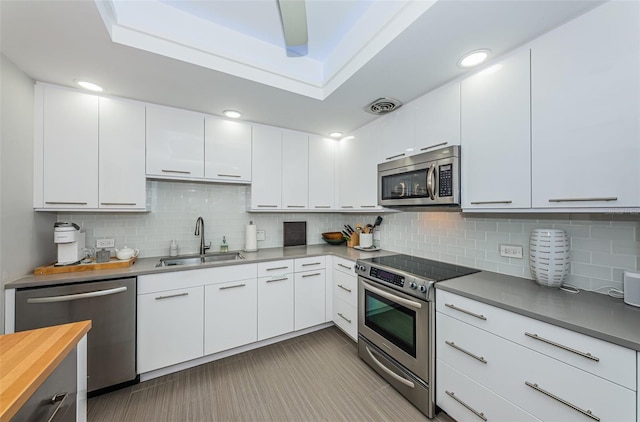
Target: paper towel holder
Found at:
250, 238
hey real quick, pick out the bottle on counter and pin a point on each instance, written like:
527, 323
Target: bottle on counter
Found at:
224, 247
173, 248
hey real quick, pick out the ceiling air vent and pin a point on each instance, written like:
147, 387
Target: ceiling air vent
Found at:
383, 105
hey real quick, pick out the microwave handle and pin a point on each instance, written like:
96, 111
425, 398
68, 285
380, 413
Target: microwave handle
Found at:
431, 182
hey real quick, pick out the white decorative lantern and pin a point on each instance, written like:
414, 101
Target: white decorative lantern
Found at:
549, 256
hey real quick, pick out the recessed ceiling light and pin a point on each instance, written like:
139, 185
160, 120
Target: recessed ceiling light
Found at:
348, 138
90, 86
473, 58
335, 134
232, 114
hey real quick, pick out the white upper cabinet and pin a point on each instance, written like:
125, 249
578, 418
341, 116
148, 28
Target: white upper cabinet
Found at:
266, 186
66, 149
122, 155
437, 119
295, 170
495, 158
175, 143
227, 150
358, 160
321, 172
397, 133
586, 111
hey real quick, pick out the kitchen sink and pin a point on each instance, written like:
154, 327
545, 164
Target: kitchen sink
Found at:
199, 259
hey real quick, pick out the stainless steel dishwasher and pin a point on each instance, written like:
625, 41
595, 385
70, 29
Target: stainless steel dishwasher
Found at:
111, 307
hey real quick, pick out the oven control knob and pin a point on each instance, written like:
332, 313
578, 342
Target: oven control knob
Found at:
422, 288
360, 267
413, 285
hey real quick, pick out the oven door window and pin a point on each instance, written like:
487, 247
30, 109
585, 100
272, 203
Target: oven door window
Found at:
411, 184
394, 322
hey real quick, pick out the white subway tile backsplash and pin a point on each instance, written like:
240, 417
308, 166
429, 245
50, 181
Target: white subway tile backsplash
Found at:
589, 270
594, 245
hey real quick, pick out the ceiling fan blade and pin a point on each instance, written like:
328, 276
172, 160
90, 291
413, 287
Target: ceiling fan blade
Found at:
294, 22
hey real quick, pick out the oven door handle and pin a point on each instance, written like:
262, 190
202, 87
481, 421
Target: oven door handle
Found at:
393, 297
389, 371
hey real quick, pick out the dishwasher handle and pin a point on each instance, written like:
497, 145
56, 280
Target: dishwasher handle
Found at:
67, 298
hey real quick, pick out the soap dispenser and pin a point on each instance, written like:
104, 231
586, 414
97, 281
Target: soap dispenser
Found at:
224, 247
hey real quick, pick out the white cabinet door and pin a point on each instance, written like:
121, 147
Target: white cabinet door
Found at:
70, 149
397, 133
295, 170
122, 154
175, 143
437, 119
321, 173
230, 315
495, 162
586, 111
227, 150
266, 162
169, 327
358, 160
310, 292
275, 305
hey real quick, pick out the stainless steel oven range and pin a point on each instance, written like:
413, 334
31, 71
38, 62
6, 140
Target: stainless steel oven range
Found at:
396, 321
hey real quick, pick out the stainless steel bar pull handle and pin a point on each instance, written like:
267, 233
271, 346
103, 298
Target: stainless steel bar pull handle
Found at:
311, 275
58, 398
296, 206
311, 263
490, 202
395, 156
277, 268
344, 317
170, 296
455, 346
347, 206
277, 279
431, 182
344, 288
434, 146
606, 198
67, 298
389, 371
563, 347
232, 287
118, 203
563, 401
322, 206
267, 206
344, 266
65, 203
471, 409
454, 307
175, 171
367, 206
229, 175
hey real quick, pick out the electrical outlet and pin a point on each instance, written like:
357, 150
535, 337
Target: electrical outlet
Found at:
376, 235
105, 243
511, 251
261, 234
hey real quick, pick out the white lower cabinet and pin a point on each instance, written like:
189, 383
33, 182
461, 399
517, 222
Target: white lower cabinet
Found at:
345, 296
309, 298
230, 315
170, 325
275, 305
535, 382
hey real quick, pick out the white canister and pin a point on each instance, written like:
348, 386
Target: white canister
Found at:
366, 240
549, 256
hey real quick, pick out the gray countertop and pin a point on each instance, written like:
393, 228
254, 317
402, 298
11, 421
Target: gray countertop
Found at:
593, 314
148, 265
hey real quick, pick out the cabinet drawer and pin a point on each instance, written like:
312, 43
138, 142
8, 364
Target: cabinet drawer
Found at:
274, 268
598, 357
345, 288
192, 278
510, 368
345, 317
308, 264
344, 265
466, 400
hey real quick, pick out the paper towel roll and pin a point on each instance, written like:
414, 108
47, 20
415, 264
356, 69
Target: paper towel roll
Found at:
251, 238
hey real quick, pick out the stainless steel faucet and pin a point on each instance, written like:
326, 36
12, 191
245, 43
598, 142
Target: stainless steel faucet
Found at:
200, 231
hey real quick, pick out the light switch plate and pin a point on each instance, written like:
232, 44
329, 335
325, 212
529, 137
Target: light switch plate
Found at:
105, 243
261, 234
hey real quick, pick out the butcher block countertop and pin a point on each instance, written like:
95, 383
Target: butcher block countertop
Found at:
27, 358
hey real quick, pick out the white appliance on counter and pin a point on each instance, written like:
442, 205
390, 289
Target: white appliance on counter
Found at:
70, 239
632, 288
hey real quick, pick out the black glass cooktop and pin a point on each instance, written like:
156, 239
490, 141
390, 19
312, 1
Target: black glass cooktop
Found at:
421, 267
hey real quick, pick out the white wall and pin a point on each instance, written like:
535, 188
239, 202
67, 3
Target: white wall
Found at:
602, 245
26, 238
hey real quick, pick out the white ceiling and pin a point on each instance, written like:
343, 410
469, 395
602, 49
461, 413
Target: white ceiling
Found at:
61, 41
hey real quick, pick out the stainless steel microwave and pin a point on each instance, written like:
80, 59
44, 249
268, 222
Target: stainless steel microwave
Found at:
428, 179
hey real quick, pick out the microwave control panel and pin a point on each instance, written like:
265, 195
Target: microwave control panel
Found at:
445, 185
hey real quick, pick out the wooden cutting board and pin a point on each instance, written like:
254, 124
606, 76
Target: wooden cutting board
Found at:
91, 266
